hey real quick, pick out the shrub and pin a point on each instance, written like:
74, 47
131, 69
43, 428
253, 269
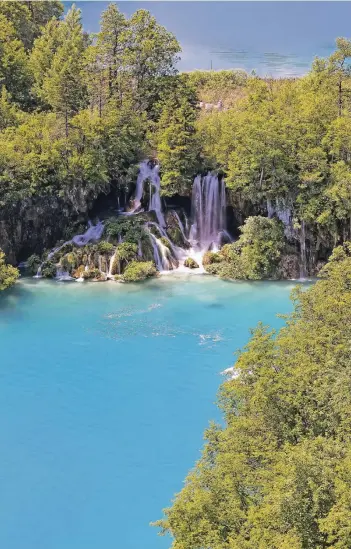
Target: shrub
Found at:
8, 273
48, 270
105, 247
139, 270
254, 256
127, 251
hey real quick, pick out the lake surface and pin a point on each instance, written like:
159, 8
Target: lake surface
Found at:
105, 391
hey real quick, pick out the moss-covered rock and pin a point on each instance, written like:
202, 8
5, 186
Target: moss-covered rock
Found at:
289, 267
91, 274
191, 263
139, 270
33, 264
166, 242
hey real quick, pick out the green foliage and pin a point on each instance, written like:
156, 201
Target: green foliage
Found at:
14, 69
254, 256
127, 251
175, 138
105, 247
138, 270
8, 273
49, 269
129, 229
277, 474
63, 87
28, 18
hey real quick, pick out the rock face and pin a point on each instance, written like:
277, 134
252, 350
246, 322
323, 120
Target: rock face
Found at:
32, 225
289, 267
190, 263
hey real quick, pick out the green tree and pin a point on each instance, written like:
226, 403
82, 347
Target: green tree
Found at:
28, 18
8, 274
14, 69
63, 86
150, 55
105, 69
178, 149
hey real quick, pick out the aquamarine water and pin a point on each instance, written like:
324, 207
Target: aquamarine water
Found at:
105, 391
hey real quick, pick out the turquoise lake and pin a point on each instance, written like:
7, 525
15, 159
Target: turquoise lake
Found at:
105, 391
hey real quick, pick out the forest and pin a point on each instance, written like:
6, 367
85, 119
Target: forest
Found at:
79, 112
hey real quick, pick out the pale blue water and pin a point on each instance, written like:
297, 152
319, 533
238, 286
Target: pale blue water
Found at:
105, 391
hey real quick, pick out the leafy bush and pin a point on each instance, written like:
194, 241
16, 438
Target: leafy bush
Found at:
128, 229
8, 273
48, 270
126, 251
105, 247
139, 270
254, 256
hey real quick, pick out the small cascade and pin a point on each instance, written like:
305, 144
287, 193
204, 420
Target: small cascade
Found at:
208, 212
63, 276
92, 234
150, 172
40, 268
303, 261
180, 225
165, 258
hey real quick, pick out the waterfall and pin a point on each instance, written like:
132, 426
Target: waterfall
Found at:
149, 172
208, 211
162, 254
40, 268
303, 263
92, 234
180, 225
62, 275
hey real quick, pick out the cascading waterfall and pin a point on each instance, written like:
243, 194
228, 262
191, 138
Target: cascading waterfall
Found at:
207, 229
162, 254
92, 234
208, 212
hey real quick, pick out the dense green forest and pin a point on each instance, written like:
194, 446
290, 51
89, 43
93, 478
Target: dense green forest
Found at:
277, 475
78, 113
